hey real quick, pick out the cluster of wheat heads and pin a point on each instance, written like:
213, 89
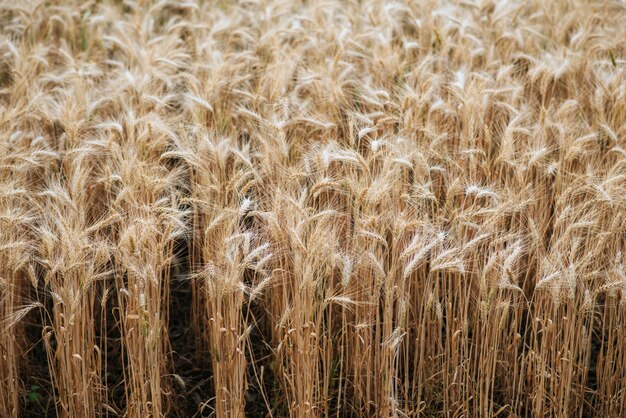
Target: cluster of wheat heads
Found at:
372, 208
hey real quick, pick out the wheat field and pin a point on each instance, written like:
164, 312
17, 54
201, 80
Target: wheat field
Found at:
273, 208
